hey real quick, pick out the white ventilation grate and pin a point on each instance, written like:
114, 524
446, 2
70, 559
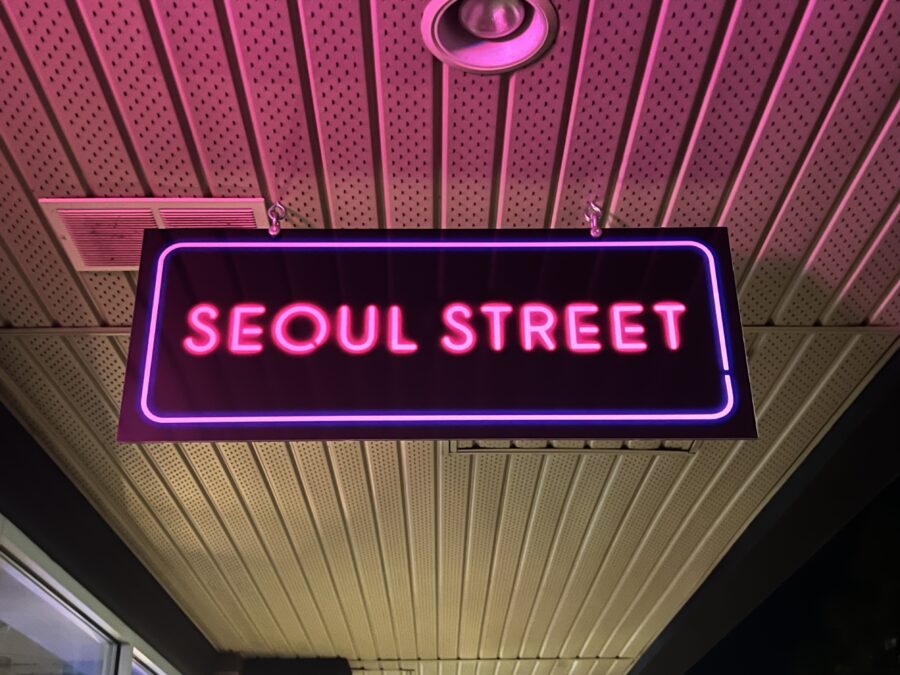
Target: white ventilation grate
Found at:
107, 237
104, 235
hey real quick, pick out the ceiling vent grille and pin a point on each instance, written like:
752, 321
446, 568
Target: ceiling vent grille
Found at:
104, 235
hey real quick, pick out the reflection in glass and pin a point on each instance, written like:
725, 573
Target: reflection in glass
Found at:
39, 635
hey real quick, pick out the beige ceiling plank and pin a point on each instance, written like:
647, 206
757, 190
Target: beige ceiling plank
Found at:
317, 483
656, 489
453, 512
696, 472
103, 365
554, 485
612, 508
244, 468
291, 503
516, 512
419, 473
489, 486
387, 487
593, 479
238, 544
354, 493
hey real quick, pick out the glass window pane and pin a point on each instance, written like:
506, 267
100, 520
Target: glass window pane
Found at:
39, 635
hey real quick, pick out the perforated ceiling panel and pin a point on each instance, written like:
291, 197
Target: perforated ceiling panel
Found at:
777, 119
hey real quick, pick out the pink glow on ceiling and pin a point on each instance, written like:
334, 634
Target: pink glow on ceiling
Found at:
776, 119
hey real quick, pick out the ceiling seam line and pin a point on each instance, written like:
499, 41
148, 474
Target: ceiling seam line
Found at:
887, 299
527, 535
264, 479
859, 264
863, 163
599, 507
438, 458
314, 526
783, 63
260, 540
109, 96
568, 110
633, 499
41, 96
178, 105
372, 68
399, 452
471, 466
498, 525
506, 85
126, 478
77, 282
639, 87
671, 493
445, 146
821, 126
370, 494
345, 527
437, 143
719, 47
105, 396
797, 355
262, 166
314, 130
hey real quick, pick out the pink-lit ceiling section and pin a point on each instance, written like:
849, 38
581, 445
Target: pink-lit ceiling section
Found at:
776, 119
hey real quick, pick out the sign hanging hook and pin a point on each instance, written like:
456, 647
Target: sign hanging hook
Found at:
593, 215
277, 213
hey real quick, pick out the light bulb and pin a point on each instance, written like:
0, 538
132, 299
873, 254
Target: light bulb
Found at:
491, 19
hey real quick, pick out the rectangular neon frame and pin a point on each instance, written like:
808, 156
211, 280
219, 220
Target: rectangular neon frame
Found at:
709, 257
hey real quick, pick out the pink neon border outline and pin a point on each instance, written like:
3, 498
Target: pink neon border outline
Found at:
498, 417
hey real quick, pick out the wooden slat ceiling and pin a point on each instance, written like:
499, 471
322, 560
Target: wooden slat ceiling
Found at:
776, 119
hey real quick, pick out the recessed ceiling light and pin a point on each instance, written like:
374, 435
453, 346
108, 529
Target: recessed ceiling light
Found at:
488, 36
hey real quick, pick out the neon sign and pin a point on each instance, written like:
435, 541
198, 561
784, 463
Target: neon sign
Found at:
405, 335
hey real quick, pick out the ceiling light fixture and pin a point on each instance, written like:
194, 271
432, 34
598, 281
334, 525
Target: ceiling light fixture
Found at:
488, 36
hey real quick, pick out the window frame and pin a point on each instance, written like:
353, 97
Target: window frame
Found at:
31, 561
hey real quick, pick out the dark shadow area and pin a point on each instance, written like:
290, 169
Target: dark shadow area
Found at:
830, 539
840, 613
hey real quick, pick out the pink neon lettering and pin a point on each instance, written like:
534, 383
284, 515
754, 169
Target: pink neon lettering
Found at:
200, 318
290, 345
580, 336
496, 313
462, 339
626, 334
537, 320
670, 313
241, 332
397, 342
363, 344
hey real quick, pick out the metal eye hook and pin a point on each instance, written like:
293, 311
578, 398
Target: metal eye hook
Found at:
593, 215
276, 213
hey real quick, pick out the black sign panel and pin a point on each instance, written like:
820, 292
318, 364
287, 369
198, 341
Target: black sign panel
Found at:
478, 334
